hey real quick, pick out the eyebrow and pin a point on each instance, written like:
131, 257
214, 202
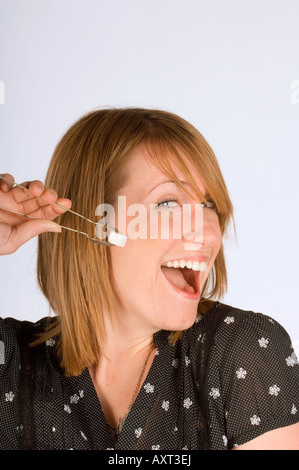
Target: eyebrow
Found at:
165, 182
206, 195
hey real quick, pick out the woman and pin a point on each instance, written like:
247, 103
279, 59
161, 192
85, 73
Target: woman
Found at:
138, 356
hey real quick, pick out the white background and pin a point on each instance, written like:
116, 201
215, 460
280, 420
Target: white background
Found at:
226, 66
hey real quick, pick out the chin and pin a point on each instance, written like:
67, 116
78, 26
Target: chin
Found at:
182, 321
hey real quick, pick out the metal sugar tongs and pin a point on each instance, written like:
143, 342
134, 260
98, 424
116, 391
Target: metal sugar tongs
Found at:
114, 239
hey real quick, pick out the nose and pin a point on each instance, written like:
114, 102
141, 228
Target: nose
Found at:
199, 227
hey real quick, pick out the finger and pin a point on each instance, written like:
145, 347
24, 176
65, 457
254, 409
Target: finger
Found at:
45, 206
52, 211
5, 185
10, 218
26, 231
46, 197
28, 190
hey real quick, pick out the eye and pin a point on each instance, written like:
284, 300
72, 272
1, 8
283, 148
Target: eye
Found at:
168, 203
209, 204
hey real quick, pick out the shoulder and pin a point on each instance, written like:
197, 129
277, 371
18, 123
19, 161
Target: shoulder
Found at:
227, 334
16, 329
253, 346
252, 373
245, 331
14, 334
229, 327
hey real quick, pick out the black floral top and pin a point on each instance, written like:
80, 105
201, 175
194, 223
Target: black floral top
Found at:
246, 385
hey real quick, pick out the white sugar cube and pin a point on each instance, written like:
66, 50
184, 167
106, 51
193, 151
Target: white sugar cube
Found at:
117, 239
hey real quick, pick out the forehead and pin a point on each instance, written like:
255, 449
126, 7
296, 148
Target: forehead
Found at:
145, 172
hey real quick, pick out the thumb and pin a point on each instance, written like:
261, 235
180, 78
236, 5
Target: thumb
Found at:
28, 230
32, 228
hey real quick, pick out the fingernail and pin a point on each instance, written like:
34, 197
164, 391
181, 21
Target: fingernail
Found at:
4, 187
52, 191
56, 229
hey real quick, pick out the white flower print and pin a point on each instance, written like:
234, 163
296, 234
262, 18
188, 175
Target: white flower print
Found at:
187, 360
138, 432
201, 337
81, 393
165, 405
215, 393
241, 373
9, 396
175, 363
74, 398
225, 441
291, 361
67, 409
274, 390
263, 342
229, 320
50, 342
20, 428
149, 388
187, 403
255, 420
294, 410
83, 435
53, 429
157, 447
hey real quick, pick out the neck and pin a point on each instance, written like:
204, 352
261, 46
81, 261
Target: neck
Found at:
121, 370
126, 339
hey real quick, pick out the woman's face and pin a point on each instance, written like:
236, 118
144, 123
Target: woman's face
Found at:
151, 295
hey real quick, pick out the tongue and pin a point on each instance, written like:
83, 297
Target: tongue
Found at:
176, 276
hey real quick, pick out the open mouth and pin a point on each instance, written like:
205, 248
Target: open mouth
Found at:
184, 276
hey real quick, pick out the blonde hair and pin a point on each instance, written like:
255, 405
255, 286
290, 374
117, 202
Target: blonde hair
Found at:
89, 167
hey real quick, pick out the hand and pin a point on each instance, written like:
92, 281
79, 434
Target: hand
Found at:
37, 202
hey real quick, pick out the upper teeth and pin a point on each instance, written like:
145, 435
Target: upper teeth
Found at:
194, 265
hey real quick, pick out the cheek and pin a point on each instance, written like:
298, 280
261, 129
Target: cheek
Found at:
122, 262
215, 231
214, 239
133, 265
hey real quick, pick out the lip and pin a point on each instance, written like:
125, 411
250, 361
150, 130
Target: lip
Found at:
187, 295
